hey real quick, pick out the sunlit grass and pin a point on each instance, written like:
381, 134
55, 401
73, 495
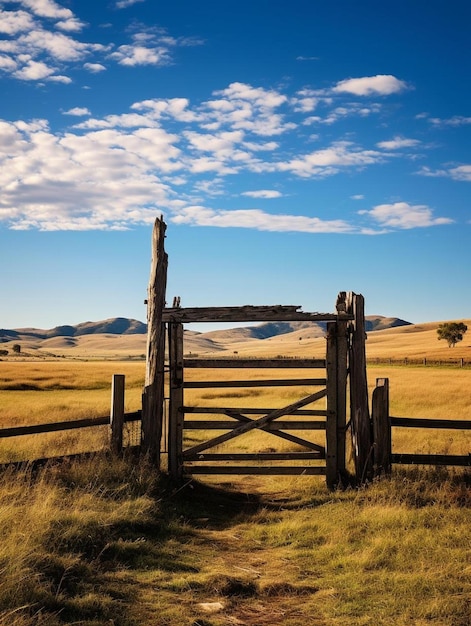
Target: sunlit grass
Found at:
101, 542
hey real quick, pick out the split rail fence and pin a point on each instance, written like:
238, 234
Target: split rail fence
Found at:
115, 421
383, 422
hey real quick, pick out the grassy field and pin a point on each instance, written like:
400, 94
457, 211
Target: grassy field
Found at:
107, 542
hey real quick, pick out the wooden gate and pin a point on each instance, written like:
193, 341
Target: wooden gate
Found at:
281, 422
345, 358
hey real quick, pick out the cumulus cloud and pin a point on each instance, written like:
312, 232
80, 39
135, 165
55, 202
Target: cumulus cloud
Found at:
170, 156
262, 193
78, 111
124, 4
43, 32
259, 220
456, 120
461, 172
329, 161
401, 215
95, 68
381, 84
397, 143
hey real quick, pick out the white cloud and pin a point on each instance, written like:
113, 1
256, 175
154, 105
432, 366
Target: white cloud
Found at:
78, 111
48, 8
397, 143
123, 4
262, 193
13, 22
35, 49
132, 55
329, 161
170, 156
358, 196
381, 84
402, 215
461, 172
259, 220
456, 120
94, 67
34, 70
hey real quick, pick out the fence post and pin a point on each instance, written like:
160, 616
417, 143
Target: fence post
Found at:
117, 413
381, 427
153, 395
359, 410
331, 451
175, 417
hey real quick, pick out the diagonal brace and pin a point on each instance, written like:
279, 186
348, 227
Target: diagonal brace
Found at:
258, 423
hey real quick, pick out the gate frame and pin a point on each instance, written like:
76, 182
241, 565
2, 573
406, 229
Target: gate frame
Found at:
345, 362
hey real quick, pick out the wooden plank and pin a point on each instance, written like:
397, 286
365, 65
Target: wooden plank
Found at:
277, 313
263, 470
250, 411
237, 363
381, 427
37, 429
226, 425
258, 423
417, 422
259, 456
117, 413
342, 377
332, 474
223, 384
432, 459
282, 435
176, 416
18, 431
153, 394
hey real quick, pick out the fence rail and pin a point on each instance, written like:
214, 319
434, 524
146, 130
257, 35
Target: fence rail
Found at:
18, 431
423, 361
115, 420
382, 436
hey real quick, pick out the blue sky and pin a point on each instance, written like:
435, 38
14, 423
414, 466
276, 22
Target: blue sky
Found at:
295, 149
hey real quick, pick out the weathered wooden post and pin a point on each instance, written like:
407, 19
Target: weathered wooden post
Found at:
331, 451
153, 395
117, 413
175, 421
360, 415
342, 375
381, 427
336, 361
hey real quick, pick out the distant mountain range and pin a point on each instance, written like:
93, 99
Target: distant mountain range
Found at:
112, 326
125, 326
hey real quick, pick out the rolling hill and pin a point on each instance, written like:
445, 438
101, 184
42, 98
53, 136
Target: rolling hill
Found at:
119, 338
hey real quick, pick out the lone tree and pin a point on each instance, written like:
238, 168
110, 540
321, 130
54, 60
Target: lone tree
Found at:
452, 332
16, 348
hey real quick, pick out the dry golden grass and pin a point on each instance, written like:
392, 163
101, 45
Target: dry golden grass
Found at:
98, 543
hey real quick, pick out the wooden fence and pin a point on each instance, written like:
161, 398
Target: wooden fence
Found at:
344, 364
383, 422
116, 421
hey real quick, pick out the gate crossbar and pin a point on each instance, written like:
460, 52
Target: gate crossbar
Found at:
258, 423
278, 433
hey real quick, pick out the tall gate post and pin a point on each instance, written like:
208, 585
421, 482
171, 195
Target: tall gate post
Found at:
153, 395
359, 410
176, 415
342, 376
336, 357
